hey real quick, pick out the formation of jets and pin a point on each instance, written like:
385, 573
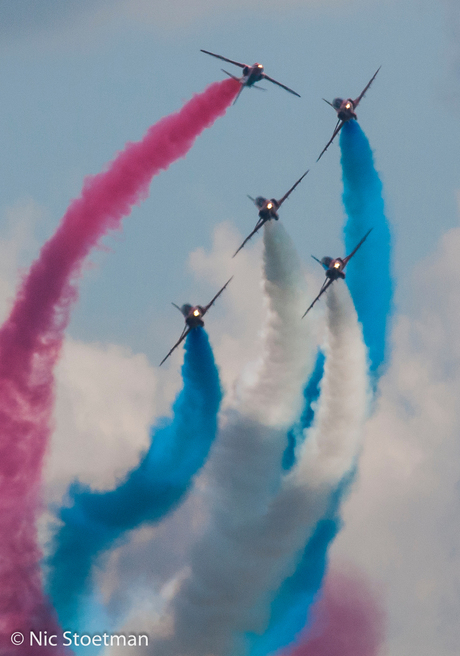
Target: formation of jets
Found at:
268, 208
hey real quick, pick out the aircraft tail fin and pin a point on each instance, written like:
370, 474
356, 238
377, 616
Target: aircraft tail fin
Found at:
238, 80
181, 309
230, 75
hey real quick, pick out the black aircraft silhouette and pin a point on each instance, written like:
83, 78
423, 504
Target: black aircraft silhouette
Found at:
193, 318
345, 111
251, 75
268, 210
334, 269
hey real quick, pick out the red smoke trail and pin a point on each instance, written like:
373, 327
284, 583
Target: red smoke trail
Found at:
30, 343
347, 621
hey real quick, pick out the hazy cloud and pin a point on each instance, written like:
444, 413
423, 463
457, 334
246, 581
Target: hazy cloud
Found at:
403, 516
105, 406
402, 519
235, 331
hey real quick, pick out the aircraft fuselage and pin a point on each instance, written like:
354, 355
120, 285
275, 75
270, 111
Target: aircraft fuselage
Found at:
334, 269
194, 317
252, 74
345, 109
268, 211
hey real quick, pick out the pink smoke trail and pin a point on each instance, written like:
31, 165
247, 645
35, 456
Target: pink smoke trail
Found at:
30, 343
347, 621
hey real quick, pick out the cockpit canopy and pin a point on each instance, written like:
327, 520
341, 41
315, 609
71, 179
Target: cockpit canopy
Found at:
326, 261
337, 103
260, 201
185, 309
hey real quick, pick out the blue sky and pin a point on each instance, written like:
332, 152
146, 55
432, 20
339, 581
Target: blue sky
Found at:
77, 84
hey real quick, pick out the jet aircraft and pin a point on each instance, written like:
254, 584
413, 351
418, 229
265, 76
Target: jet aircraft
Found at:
345, 111
334, 269
193, 318
251, 75
268, 210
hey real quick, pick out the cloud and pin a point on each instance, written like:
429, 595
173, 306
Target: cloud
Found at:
105, 406
107, 396
107, 399
234, 332
401, 522
403, 516
228, 564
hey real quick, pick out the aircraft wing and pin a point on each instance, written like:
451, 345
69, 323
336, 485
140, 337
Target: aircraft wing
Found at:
230, 61
259, 224
180, 309
292, 189
348, 257
283, 86
237, 79
185, 332
239, 92
205, 309
360, 97
326, 284
337, 129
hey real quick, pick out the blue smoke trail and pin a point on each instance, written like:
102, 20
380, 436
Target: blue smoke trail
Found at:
310, 394
179, 448
297, 595
368, 273
290, 610
370, 284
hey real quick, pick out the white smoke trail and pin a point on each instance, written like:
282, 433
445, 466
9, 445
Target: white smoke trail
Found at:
334, 441
260, 549
271, 390
328, 453
244, 471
